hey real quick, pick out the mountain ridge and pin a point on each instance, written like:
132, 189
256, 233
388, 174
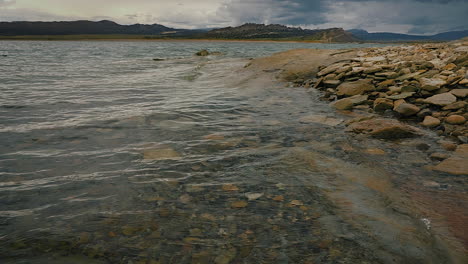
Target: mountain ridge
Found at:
398, 37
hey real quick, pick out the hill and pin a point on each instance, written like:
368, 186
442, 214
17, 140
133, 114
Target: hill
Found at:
84, 27
275, 31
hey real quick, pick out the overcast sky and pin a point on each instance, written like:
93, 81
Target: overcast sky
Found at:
403, 16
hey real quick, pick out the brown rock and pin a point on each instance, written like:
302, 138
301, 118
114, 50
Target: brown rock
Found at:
384, 129
455, 120
239, 204
401, 96
441, 99
430, 121
455, 106
382, 104
355, 88
450, 67
331, 83
463, 82
406, 109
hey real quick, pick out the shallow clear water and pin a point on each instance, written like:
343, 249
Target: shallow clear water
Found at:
110, 157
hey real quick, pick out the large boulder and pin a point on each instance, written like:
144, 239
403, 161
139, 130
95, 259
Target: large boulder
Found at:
384, 129
441, 99
355, 88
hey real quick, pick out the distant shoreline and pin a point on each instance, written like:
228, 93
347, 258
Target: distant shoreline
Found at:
138, 38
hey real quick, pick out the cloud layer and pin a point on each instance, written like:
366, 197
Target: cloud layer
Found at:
405, 16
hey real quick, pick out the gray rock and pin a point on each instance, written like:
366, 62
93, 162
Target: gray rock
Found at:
441, 99
431, 84
462, 93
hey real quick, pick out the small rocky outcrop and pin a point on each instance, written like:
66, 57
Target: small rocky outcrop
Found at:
204, 53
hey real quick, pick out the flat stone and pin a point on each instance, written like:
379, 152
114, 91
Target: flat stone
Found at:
375, 59
406, 109
355, 88
430, 121
441, 99
373, 69
330, 69
409, 76
401, 96
457, 164
331, 83
463, 82
384, 129
462, 93
455, 120
431, 84
389, 75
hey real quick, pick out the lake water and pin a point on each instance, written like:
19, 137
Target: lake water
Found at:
108, 156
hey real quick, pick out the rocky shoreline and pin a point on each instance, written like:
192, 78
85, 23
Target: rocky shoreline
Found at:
424, 86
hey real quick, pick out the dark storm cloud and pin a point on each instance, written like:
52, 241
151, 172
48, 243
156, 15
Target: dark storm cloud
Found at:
413, 16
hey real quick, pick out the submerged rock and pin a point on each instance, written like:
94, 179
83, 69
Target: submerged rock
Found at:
457, 164
161, 154
384, 129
